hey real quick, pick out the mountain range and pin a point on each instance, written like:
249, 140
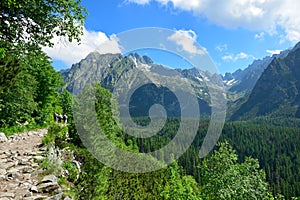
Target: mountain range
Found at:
108, 69
267, 87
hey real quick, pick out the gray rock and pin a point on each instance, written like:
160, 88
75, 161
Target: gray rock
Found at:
47, 187
27, 176
13, 185
34, 165
13, 175
4, 155
49, 179
37, 197
4, 160
3, 137
34, 189
30, 153
7, 194
56, 197
13, 170
43, 149
28, 194
2, 171
7, 165
38, 158
2, 177
26, 185
27, 169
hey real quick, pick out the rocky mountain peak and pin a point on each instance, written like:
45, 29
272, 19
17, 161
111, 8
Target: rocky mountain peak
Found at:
141, 59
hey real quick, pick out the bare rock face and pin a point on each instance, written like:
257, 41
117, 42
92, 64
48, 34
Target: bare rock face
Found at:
20, 175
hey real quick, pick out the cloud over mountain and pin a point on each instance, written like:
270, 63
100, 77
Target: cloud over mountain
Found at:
71, 53
186, 40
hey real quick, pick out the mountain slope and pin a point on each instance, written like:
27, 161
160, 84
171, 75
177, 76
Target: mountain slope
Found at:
277, 92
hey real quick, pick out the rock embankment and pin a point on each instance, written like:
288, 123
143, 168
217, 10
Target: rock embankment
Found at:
21, 176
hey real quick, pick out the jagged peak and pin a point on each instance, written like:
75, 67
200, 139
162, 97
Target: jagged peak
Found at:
96, 54
142, 59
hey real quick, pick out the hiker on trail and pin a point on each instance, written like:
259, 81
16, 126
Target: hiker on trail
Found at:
55, 117
65, 118
60, 117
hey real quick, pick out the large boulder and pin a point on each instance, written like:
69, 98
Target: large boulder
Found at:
3, 137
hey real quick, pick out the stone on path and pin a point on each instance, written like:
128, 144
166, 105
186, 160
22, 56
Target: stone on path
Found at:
7, 194
49, 179
3, 137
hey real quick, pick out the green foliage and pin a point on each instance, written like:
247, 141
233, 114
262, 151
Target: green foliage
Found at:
50, 167
17, 103
275, 148
9, 67
10, 130
112, 184
276, 121
29, 89
65, 100
224, 178
220, 176
180, 187
73, 172
49, 82
56, 134
43, 20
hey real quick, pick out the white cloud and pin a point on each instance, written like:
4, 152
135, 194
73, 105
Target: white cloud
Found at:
272, 52
111, 45
238, 56
222, 47
260, 36
71, 53
140, 2
268, 16
186, 40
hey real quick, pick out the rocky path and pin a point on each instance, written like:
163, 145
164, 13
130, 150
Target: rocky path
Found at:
21, 177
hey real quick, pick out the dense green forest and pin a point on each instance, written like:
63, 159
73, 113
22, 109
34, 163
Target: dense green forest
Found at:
221, 175
276, 148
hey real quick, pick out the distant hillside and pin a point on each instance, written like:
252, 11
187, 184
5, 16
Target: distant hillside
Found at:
277, 92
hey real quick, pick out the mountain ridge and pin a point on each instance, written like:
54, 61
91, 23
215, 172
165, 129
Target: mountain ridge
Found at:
108, 69
277, 92
244, 80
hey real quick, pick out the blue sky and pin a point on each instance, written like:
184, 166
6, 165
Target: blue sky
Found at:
233, 32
